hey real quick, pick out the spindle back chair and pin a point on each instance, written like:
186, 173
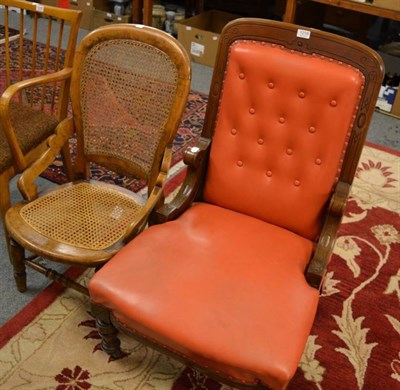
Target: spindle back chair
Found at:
34, 84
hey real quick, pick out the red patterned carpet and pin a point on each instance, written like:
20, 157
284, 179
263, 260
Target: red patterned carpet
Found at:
354, 343
13, 34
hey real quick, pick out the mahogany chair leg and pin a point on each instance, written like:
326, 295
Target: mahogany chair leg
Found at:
109, 334
17, 254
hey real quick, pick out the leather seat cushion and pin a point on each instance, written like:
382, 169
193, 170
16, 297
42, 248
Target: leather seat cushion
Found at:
221, 288
31, 126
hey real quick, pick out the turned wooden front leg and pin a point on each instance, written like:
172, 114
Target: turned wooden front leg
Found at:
110, 342
17, 254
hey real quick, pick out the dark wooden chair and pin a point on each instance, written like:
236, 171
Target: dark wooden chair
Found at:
34, 87
228, 278
128, 90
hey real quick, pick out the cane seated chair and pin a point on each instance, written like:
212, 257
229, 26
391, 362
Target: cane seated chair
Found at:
128, 91
34, 85
228, 277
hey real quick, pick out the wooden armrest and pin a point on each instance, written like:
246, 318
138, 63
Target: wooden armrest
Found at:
5, 101
45, 79
194, 155
323, 252
55, 142
195, 158
156, 194
140, 220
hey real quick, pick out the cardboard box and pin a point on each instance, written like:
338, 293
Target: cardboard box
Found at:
386, 98
200, 35
389, 4
86, 6
396, 104
102, 15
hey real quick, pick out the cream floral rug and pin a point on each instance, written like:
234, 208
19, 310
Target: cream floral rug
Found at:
354, 343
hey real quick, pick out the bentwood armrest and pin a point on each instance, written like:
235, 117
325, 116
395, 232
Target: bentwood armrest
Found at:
156, 194
6, 99
195, 158
55, 142
323, 251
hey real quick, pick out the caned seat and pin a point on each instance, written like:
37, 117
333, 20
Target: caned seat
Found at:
101, 214
128, 92
227, 279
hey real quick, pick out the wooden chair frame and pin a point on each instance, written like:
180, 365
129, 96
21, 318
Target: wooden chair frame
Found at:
329, 45
24, 237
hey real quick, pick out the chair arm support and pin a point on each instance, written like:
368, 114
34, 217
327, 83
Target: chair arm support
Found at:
195, 158
194, 155
139, 222
323, 252
5, 101
55, 142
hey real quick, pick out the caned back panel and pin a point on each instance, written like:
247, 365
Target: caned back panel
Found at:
127, 91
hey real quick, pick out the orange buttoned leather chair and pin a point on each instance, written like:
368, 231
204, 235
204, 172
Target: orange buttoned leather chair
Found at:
228, 277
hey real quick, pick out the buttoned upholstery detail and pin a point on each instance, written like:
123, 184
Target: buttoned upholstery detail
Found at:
303, 116
218, 306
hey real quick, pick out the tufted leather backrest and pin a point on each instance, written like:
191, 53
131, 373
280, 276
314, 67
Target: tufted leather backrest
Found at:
283, 122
